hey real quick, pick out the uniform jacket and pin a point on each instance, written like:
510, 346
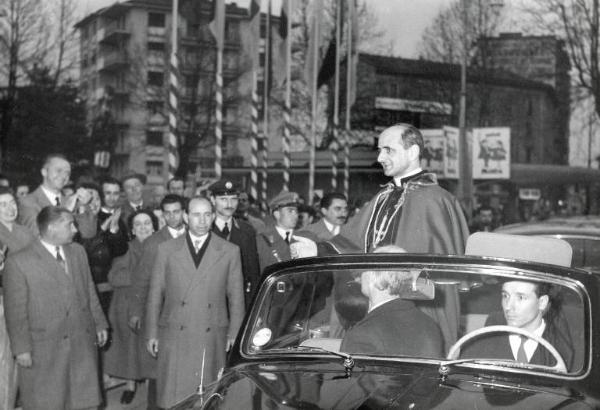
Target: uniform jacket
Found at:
272, 248
396, 328
55, 316
243, 235
192, 311
31, 205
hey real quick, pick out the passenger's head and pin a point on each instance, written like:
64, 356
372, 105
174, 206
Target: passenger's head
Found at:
172, 207
525, 303
400, 147
334, 208
56, 225
8, 206
176, 186
56, 172
201, 215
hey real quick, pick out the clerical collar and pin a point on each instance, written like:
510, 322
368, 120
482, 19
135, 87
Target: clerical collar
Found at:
399, 180
282, 231
51, 195
221, 223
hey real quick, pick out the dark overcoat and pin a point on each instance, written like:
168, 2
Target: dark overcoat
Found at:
55, 316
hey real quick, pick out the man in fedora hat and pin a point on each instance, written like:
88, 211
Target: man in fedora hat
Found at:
224, 195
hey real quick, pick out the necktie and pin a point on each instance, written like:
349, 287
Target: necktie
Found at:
60, 259
225, 230
521, 355
57, 200
197, 245
287, 238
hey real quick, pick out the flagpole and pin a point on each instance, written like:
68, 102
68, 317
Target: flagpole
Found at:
288, 101
313, 124
173, 93
265, 139
336, 102
349, 85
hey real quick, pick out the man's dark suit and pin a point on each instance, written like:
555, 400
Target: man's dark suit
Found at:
497, 345
55, 316
395, 328
243, 235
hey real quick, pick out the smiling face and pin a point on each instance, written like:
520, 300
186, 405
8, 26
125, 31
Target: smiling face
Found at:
56, 173
393, 157
522, 306
133, 190
111, 194
142, 227
8, 209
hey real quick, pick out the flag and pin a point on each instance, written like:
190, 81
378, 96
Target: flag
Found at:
314, 42
217, 23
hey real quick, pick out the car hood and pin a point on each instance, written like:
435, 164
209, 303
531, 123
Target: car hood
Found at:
326, 386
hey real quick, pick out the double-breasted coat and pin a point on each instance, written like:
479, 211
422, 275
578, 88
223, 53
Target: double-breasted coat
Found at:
192, 311
55, 316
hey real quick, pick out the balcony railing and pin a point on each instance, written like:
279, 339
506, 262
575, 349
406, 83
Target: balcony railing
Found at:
113, 61
113, 34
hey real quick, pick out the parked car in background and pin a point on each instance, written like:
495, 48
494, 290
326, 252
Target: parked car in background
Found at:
582, 233
290, 351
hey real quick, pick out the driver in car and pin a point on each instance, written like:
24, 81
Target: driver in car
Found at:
393, 326
530, 306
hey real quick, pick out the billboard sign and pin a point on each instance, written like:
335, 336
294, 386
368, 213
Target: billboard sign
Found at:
491, 153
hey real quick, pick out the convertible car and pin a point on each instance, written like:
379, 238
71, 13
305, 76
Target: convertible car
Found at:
318, 337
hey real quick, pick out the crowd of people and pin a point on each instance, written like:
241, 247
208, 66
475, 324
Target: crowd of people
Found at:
160, 290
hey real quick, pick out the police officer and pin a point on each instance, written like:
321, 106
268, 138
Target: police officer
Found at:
224, 195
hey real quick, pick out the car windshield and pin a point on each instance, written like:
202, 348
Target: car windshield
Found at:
419, 311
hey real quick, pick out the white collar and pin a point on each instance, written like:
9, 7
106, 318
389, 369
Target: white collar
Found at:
335, 229
52, 249
530, 344
398, 180
107, 210
175, 233
135, 206
195, 238
221, 223
51, 195
281, 231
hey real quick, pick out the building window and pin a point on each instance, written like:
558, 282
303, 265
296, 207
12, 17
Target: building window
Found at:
155, 78
155, 107
154, 138
156, 46
154, 168
156, 20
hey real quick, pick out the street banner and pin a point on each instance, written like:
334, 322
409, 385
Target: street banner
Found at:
491, 153
432, 157
451, 155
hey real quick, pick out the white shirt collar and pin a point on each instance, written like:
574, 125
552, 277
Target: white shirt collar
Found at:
196, 238
175, 233
398, 180
52, 249
334, 229
51, 195
221, 223
282, 232
135, 206
530, 344
106, 210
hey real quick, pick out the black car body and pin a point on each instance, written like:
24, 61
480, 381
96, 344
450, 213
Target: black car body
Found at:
286, 355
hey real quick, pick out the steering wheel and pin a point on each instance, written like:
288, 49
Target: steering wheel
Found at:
455, 349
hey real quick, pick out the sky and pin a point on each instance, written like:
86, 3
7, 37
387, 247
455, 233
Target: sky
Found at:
402, 20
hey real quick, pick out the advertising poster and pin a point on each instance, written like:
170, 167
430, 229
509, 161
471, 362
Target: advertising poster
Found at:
451, 164
432, 157
491, 153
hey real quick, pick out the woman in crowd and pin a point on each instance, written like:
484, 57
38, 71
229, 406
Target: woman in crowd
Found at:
13, 237
123, 358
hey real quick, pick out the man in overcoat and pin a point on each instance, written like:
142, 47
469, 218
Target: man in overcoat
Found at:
224, 196
195, 306
54, 320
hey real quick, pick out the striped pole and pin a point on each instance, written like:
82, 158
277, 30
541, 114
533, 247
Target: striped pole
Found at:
336, 98
347, 163
265, 138
219, 115
349, 92
254, 140
173, 94
288, 105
